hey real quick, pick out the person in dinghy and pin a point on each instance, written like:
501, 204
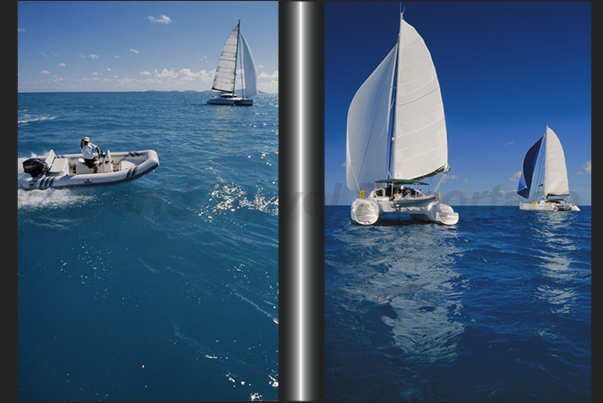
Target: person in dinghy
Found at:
88, 152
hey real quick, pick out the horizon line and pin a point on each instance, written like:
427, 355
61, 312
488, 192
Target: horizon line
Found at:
84, 91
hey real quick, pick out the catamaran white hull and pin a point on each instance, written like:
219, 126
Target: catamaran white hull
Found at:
549, 206
368, 211
419, 201
230, 101
69, 170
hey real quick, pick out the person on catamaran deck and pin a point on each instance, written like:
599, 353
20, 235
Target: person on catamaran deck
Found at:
88, 152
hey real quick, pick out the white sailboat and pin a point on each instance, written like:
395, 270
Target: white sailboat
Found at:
403, 89
236, 50
556, 185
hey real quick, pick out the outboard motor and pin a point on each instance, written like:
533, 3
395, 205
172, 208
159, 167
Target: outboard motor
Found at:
33, 166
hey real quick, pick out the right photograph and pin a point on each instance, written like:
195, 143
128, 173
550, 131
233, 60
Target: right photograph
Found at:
457, 201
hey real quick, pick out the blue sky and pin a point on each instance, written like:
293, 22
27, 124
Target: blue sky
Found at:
138, 45
506, 70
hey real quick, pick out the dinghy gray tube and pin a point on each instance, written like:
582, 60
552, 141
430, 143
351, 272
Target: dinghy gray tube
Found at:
69, 170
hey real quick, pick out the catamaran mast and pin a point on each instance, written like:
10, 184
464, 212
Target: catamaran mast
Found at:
393, 112
391, 133
234, 85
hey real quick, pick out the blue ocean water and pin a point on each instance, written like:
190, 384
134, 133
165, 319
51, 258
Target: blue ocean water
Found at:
162, 288
497, 307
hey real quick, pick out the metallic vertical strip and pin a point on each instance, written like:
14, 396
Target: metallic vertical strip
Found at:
301, 199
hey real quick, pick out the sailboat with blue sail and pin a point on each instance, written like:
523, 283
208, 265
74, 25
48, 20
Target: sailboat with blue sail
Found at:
556, 185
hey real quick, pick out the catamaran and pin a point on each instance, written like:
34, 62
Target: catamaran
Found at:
405, 91
556, 185
236, 49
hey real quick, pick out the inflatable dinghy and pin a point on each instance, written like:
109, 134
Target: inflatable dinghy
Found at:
70, 170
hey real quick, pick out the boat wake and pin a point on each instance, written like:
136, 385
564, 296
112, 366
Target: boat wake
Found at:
54, 198
231, 198
26, 118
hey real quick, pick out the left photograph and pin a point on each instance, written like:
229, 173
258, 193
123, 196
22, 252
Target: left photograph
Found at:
147, 190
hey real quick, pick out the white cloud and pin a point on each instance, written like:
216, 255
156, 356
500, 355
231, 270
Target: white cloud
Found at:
163, 19
44, 72
264, 75
62, 65
183, 75
587, 168
134, 50
515, 177
165, 73
20, 29
447, 178
268, 82
465, 180
93, 56
188, 75
270, 87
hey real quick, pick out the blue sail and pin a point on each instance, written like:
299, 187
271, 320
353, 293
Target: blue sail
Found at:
529, 162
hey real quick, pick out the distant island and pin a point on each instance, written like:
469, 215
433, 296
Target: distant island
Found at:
200, 92
139, 91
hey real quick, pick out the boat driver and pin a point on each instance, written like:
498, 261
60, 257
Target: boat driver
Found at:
88, 152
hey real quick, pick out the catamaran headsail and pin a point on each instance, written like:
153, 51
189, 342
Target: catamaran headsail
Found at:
404, 90
556, 184
236, 51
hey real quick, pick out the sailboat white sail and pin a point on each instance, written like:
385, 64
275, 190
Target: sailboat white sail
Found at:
235, 50
404, 89
420, 141
556, 184
249, 70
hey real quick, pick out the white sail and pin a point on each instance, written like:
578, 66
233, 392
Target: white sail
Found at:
367, 126
420, 141
249, 70
224, 80
555, 171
